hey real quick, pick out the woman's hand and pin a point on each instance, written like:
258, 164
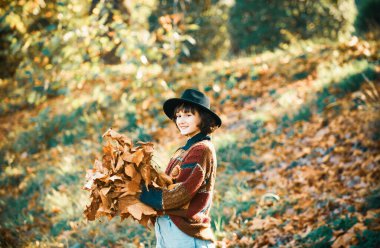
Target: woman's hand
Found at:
151, 196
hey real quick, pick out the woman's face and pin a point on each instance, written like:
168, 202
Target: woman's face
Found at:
188, 123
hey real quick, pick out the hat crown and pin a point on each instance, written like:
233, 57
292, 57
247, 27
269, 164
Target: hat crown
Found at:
196, 97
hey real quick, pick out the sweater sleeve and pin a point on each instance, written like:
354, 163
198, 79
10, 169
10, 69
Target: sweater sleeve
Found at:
190, 179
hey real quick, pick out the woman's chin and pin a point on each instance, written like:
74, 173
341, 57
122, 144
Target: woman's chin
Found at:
184, 133
188, 133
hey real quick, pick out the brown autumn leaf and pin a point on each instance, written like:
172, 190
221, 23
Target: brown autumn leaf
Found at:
349, 237
126, 201
119, 164
115, 182
164, 179
147, 146
145, 174
145, 221
119, 137
91, 210
128, 188
138, 209
265, 224
344, 240
115, 177
126, 155
137, 157
130, 170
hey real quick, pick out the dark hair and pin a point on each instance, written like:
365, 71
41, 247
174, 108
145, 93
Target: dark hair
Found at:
208, 123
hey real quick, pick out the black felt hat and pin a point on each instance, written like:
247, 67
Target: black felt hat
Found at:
194, 97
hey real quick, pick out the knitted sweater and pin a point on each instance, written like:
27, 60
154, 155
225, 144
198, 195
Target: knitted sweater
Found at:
193, 168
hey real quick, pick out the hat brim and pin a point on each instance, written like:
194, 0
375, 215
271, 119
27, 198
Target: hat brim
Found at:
171, 104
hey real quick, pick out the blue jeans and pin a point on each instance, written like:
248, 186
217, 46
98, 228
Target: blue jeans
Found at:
169, 236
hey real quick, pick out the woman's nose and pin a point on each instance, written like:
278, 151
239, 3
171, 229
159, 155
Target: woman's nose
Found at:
179, 119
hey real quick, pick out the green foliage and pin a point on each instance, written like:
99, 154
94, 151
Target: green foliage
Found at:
59, 129
56, 47
344, 223
258, 25
319, 237
373, 200
303, 114
276, 210
203, 22
211, 36
369, 238
58, 227
228, 203
14, 207
368, 15
237, 155
338, 87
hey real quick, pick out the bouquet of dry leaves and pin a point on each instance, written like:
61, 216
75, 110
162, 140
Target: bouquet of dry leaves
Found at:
115, 181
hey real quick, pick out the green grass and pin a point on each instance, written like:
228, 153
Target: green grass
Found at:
373, 200
368, 239
318, 238
344, 223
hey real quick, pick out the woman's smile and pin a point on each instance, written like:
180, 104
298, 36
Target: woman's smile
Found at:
188, 123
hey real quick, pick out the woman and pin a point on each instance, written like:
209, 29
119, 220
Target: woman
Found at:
184, 219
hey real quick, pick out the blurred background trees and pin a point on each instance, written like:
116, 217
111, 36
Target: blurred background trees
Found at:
49, 48
256, 26
44, 43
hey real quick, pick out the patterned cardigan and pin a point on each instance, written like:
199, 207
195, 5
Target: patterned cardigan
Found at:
193, 169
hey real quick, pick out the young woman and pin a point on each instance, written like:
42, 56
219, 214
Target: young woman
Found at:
184, 219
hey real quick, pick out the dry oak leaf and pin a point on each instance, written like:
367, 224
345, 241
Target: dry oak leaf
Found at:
119, 137
137, 157
139, 208
130, 170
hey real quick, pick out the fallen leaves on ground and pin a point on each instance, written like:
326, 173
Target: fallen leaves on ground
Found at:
323, 178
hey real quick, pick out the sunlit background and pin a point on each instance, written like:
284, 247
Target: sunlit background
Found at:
296, 84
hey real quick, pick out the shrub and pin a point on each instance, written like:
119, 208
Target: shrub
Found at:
203, 23
258, 25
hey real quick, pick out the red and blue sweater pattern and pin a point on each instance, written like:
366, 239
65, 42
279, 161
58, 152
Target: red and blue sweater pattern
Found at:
193, 168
